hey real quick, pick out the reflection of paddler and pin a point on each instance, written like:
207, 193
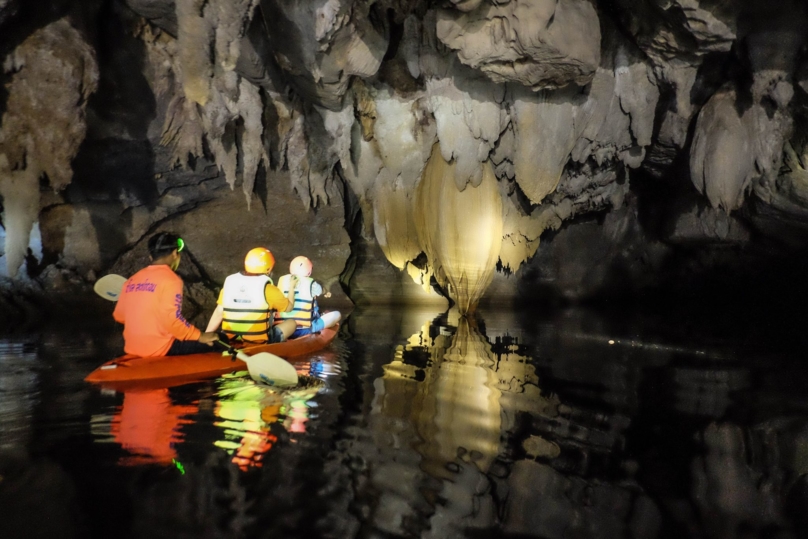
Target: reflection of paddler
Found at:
248, 411
147, 426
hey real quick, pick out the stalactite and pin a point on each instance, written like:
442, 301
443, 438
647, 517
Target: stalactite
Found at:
321, 45
316, 143
469, 118
638, 94
385, 169
361, 172
521, 233
466, 379
404, 137
195, 37
721, 160
209, 36
393, 221
52, 73
460, 231
230, 118
545, 135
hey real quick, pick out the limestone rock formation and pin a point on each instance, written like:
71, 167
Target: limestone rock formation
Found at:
540, 44
453, 136
721, 162
460, 231
52, 74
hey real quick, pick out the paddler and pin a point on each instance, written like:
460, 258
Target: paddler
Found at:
306, 313
248, 302
150, 306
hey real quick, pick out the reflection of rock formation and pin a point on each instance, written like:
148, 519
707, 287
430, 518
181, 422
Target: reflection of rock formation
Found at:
445, 404
729, 494
574, 507
38, 499
17, 396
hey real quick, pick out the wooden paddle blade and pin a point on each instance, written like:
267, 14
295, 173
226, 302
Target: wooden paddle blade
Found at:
270, 369
109, 286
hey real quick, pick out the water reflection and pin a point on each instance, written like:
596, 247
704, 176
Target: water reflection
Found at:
419, 424
147, 425
445, 403
466, 437
19, 393
246, 412
150, 424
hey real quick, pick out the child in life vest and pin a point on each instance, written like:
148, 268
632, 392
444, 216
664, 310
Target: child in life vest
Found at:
306, 312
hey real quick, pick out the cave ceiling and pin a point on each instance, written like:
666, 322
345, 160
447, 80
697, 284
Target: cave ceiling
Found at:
461, 131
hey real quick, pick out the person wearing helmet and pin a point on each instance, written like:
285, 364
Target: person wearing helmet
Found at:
150, 306
249, 300
305, 312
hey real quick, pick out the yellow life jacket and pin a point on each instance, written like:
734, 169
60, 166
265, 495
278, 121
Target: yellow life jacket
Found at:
304, 309
246, 311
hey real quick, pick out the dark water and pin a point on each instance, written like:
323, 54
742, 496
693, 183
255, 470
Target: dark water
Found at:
416, 424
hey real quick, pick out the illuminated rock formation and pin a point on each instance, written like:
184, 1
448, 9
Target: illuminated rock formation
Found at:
460, 231
453, 137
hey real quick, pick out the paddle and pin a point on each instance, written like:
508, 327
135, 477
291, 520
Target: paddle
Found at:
109, 286
263, 367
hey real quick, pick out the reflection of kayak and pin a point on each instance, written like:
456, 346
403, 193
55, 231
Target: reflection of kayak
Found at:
178, 369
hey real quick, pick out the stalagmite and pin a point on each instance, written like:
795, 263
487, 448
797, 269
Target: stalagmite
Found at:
460, 231
20, 192
51, 75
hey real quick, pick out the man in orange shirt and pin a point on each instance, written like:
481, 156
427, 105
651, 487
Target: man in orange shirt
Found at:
150, 306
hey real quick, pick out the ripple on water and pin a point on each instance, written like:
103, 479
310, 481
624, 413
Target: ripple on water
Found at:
19, 393
423, 425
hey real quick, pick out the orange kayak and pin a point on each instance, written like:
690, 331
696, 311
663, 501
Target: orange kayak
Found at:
169, 370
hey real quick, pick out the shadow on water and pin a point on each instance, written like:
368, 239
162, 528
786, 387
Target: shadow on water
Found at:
418, 424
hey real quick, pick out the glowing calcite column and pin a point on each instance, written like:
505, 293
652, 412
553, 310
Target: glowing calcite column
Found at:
460, 231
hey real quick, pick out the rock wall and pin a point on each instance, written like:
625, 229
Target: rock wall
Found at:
448, 140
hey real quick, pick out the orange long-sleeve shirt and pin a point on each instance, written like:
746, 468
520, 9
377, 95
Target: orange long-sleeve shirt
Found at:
150, 308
